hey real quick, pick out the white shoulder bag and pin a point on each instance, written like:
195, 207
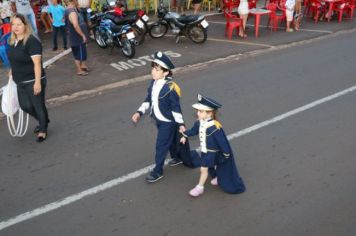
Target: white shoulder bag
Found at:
10, 106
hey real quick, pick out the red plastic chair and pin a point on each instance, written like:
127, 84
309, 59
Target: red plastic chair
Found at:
275, 16
229, 5
349, 8
339, 8
252, 4
232, 22
315, 8
306, 4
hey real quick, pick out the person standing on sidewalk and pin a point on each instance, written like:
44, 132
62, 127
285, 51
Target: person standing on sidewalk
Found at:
298, 14
163, 103
290, 4
243, 13
25, 56
5, 11
56, 12
24, 7
196, 6
45, 18
83, 6
78, 36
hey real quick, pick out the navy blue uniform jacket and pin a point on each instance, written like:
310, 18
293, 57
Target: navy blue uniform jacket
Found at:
168, 103
217, 145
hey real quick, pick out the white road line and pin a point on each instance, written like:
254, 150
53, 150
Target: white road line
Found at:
57, 57
265, 26
232, 42
240, 42
112, 183
291, 113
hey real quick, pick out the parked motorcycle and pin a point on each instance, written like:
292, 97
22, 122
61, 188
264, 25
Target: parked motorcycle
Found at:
111, 33
137, 19
192, 26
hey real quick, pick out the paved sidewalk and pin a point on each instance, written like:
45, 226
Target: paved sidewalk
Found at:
110, 67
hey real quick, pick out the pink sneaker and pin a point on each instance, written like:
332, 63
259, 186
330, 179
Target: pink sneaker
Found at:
214, 181
196, 191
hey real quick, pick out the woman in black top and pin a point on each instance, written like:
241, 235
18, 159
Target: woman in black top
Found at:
25, 56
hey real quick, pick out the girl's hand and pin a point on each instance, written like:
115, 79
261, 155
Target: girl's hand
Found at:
37, 88
183, 140
136, 117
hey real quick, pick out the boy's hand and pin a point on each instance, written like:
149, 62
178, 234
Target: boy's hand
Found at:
183, 140
181, 129
136, 117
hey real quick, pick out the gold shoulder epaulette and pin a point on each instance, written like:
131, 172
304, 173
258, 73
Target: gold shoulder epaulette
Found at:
173, 85
217, 124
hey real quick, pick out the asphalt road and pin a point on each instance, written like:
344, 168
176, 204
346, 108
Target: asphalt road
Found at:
299, 172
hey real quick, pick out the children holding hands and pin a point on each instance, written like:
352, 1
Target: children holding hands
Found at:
163, 104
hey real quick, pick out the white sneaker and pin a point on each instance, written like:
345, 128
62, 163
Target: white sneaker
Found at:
196, 191
214, 181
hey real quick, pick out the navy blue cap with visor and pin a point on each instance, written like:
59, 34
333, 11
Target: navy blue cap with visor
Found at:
206, 104
163, 60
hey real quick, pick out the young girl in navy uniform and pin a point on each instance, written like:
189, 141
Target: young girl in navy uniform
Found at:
162, 102
216, 154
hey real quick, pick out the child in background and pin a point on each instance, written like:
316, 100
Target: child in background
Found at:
58, 23
45, 18
180, 6
216, 154
289, 13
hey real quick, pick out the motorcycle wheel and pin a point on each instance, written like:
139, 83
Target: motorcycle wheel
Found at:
100, 41
158, 30
198, 34
139, 34
128, 49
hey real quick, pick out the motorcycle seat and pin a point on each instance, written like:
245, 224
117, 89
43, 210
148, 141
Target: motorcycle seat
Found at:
116, 28
119, 20
188, 19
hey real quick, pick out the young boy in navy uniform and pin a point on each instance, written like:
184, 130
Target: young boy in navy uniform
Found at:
216, 154
162, 102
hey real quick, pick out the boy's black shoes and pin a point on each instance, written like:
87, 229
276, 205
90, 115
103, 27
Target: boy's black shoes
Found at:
153, 177
37, 129
175, 161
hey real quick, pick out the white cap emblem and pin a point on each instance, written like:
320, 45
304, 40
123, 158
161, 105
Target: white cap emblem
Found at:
159, 54
199, 98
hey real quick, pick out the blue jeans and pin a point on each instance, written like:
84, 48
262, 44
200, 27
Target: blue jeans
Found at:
6, 20
3, 56
32, 19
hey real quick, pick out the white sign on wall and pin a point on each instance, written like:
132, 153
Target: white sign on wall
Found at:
140, 61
